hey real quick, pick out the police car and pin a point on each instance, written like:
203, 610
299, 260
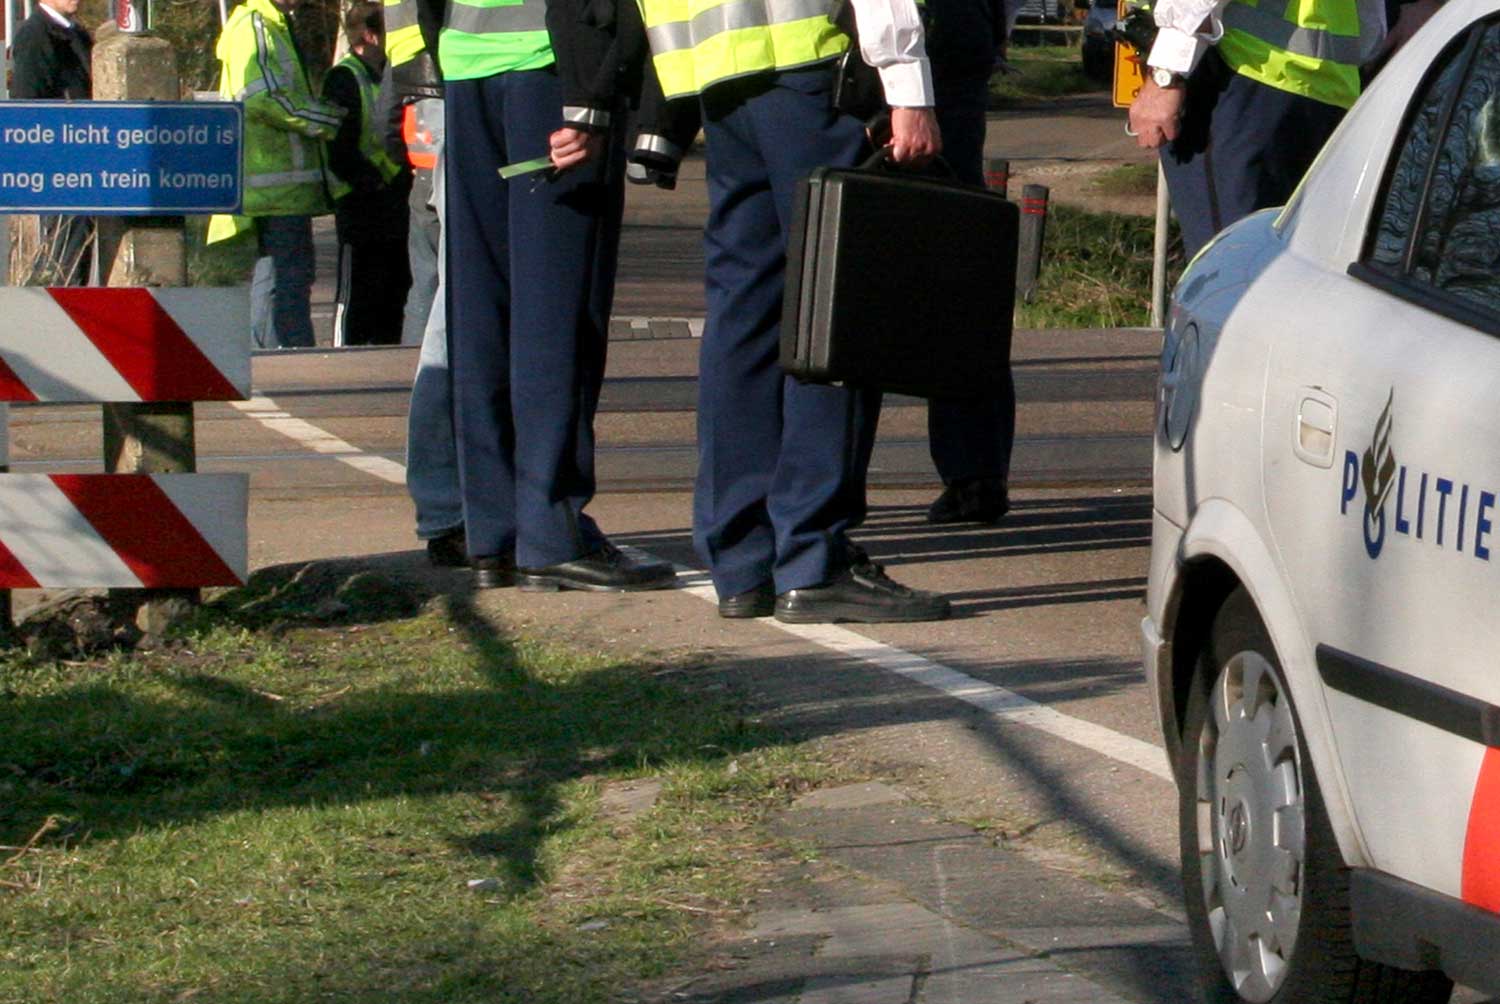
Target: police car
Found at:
1323, 629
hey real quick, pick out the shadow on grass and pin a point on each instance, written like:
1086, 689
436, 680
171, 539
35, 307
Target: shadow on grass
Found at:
114, 749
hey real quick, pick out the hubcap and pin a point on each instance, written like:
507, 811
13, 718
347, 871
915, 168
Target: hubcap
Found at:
1250, 826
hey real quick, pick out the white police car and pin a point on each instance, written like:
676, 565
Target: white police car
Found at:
1323, 629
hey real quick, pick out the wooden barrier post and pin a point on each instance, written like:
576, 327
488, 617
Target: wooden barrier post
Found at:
144, 251
997, 176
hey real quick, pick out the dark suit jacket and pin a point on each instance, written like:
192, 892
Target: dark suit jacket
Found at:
50, 61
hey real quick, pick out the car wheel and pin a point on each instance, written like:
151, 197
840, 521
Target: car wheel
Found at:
1266, 888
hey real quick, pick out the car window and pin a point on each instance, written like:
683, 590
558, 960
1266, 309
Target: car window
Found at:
1458, 237
1407, 183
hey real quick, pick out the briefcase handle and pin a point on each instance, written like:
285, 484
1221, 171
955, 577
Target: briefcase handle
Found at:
937, 168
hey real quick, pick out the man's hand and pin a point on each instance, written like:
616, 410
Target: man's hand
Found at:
1156, 114
914, 136
571, 147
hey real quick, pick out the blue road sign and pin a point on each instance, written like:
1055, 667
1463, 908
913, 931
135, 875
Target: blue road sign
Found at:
120, 157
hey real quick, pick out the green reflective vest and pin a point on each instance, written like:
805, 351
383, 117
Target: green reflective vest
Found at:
698, 43
285, 124
1308, 47
481, 38
371, 139
403, 34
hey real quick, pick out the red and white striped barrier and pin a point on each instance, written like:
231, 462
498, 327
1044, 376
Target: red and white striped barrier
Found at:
124, 345
122, 530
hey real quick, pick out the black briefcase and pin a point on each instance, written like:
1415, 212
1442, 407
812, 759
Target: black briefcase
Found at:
899, 282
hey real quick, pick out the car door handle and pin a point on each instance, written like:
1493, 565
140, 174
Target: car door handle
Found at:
1317, 425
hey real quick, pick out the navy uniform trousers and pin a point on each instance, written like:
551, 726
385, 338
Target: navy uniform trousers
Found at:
530, 272
973, 437
781, 473
1242, 146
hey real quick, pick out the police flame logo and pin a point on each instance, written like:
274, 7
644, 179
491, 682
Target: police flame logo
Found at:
1378, 473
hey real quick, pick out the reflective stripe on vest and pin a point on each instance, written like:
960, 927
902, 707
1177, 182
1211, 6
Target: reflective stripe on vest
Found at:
403, 35
421, 144
1315, 49
695, 45
483, 37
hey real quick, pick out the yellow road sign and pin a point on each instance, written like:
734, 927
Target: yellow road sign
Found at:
1130, 75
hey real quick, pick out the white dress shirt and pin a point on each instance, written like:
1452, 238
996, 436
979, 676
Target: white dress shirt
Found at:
890, 39
1186, 29
54, 15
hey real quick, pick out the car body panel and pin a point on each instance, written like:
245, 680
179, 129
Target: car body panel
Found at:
1314, 427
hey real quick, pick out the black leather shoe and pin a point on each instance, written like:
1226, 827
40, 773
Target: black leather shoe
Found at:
448, 550
494, 570
862, 593
607, 570
757, 602
972, 500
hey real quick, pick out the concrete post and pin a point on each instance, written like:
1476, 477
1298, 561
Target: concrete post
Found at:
143, 251
1033, 233
997, 176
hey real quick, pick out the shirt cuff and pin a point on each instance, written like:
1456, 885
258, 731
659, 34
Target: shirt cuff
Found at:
1176, 51
584, 117
908, 85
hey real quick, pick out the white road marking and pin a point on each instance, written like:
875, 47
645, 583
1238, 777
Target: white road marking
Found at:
269, 414
996, 701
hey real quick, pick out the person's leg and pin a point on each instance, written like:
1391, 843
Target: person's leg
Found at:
262, 294
431, 448
739, 380
970, 439
288, 242
563, 240
817, 491
423, 244
478, 289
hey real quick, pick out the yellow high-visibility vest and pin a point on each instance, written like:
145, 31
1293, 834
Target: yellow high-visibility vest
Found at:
371, 141
286, 173
696, 44
1309, 47
403, 35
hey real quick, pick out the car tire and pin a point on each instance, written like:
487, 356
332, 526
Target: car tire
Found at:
1266, 889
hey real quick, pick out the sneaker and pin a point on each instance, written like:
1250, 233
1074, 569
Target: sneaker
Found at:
449, 549
863, 594
606, 570
971, 500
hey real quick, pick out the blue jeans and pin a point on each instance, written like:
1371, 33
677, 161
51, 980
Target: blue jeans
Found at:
281, 290
431, 450
424, 241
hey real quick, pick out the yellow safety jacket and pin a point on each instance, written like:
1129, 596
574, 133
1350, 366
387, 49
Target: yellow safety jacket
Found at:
1309, 47
403, 34
696, 44
371, 139
481, 38
286, 173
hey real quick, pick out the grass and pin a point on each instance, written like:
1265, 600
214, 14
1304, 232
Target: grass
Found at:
1043, 71
227, 263
1128, 179
378, 810
1096, 271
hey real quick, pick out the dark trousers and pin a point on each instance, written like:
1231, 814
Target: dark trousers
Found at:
373, 280
781, 472
1243, 146
972, 437
530, 276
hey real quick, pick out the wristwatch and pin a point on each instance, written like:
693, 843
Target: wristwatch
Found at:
1163, 77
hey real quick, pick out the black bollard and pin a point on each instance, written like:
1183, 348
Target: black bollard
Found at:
1033, 231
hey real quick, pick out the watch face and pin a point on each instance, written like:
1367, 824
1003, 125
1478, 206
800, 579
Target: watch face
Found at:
1163, 77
